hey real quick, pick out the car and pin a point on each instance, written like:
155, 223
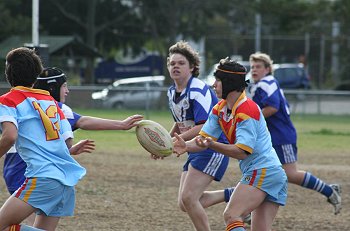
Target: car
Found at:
210, 79
291, 76
135, 92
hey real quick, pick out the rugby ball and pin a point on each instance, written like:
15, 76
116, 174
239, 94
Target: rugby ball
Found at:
154, 138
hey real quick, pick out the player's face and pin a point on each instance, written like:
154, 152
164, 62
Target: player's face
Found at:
179, 67
218, 88
258, 70
63, 92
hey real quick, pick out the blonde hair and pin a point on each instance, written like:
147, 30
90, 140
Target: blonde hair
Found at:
262, 57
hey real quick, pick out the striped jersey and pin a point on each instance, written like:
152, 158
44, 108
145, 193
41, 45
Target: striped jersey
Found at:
42, 130
267, 92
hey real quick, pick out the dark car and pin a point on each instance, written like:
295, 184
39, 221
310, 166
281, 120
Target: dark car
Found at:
291, 76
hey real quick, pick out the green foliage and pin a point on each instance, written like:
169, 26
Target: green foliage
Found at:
15, 18
329, 132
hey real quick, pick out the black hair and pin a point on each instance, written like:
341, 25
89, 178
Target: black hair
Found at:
23, 66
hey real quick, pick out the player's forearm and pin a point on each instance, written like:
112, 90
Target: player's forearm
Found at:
230, 150
5, 147
193, 132
191, 146
269, 111
94, 123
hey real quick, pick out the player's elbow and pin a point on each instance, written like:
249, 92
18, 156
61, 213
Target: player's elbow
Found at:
9, 138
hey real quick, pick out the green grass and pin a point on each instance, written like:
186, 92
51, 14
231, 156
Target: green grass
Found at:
122, 139
316, 133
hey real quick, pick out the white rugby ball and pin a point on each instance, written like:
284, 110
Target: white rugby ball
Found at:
154, 138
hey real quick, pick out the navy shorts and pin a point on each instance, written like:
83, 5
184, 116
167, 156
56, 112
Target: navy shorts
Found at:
287, 153
211, 163
14, 169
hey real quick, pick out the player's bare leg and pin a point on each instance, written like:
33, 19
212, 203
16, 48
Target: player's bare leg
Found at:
264, 215
294, 175
192, 187
244, 200
210, 198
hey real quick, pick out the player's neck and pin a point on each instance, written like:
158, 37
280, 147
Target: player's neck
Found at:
232, 98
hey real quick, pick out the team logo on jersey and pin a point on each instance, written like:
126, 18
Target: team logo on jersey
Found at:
247, 178
185, 103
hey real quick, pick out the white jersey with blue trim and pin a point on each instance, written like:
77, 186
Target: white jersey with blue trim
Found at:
193, 105
70, 115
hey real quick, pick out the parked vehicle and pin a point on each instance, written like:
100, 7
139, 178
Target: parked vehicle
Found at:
137, 92
291, 76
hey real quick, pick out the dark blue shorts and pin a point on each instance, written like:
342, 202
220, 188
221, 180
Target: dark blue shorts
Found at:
13, 172
287, 153
211, 163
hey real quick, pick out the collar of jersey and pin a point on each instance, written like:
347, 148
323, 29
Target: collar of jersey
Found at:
27, 89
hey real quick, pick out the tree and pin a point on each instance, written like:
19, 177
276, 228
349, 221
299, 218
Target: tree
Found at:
15, 18
100, 23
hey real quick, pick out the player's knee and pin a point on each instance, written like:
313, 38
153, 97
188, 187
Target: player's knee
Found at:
181, 205
187, 199
231, 217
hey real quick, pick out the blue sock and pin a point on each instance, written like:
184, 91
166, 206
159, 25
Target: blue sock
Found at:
228, 192
312, 182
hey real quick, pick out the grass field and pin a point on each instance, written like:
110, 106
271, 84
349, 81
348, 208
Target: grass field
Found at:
125, 190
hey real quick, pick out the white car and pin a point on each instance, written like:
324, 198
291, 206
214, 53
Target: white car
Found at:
137, 92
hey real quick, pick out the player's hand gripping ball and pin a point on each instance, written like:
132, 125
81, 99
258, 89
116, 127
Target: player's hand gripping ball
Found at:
154, 138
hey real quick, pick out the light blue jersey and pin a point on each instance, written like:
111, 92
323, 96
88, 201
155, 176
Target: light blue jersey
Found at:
42, 130
246, 128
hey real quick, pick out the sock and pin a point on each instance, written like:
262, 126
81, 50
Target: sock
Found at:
15, 228
235, 226
312, 182
228, 192
23, 228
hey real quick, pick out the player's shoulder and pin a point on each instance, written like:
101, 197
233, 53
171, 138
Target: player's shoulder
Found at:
248, 109
197, 83
268, 85
12, 98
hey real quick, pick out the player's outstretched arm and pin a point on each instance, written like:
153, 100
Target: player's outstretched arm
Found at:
82, 146
96, 123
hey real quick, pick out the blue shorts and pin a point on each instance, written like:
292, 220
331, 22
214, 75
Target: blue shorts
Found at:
211, 163
287, 153
49, 196
273, 181
13, 172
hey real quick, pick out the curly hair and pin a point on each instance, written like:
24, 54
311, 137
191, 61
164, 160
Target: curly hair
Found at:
23, 66
190, 54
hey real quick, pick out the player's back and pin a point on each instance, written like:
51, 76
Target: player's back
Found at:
42, 130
